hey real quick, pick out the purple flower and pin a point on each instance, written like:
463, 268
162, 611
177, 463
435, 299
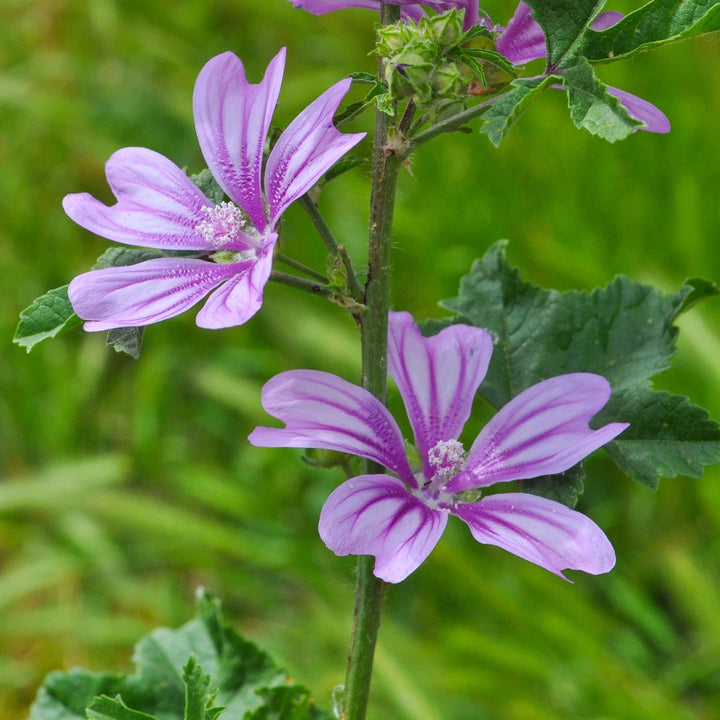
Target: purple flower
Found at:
523, 40
399, 518
159, 207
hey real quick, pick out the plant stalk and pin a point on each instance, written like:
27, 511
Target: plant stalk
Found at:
369, 590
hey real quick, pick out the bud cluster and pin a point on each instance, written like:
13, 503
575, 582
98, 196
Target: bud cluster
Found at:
439, 66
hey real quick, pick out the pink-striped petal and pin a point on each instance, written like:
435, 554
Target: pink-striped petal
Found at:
324, 411
437, 377
158, 206
309, 147
145, 293
542, 431
539, 530
232, 119
375, 515
237, 300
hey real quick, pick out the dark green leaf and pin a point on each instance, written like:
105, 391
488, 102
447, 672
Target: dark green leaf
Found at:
564, 24
592, 107
668, 436
46, 317
119, 256
624, 332
658, 23
503, 114
199, 693
564, 487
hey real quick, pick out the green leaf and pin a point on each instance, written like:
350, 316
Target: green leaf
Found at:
564, 487
208, 185
503, 114
564, 24
624, 332
179, 675
658, 23
668, 436
199, 693
699, 290
46, 317
119, 256
126, 340
106, 708
592, 107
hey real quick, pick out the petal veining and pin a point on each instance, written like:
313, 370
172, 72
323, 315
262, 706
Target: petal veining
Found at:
540, 530
437, 377
543, 430
375, 515
321, 410
308, 147
151, 291
158, 206
232, 119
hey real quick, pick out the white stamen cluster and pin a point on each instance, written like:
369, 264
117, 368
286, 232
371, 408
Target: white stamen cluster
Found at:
225, 224
447, 459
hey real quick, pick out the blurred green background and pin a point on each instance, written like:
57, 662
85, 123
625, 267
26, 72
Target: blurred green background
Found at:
125, 485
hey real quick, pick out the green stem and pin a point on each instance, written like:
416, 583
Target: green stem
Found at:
332, 245
310, 286
452, 123
281, 257
369, 590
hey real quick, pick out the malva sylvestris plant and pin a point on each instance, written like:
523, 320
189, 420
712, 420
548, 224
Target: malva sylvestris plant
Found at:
567, 372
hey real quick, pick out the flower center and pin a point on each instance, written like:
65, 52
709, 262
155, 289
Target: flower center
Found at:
227, 229
447, 459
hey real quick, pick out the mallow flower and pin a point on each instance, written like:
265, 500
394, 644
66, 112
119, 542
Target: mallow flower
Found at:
399, 517
232, 242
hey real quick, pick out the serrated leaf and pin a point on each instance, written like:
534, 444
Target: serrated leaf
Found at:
660, 22
167, 684
119, 256
668, 436
503, 113
106, 708
564, 24
199, 693
592, 107
624, 332
45, 318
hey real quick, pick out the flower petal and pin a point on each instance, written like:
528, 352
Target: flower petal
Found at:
240, 298
542, 431
309, 147
655, 120
437, 377
232, 119
375, 515
409, 11
151, 291
540, 530
158, 205
523, 40
324, 411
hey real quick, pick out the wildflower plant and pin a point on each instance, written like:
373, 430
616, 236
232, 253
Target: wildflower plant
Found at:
568, 373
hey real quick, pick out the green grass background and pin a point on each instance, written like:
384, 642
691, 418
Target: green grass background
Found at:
125, 485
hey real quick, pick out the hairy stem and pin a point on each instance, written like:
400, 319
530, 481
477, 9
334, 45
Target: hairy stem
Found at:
369, 590
281, 257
